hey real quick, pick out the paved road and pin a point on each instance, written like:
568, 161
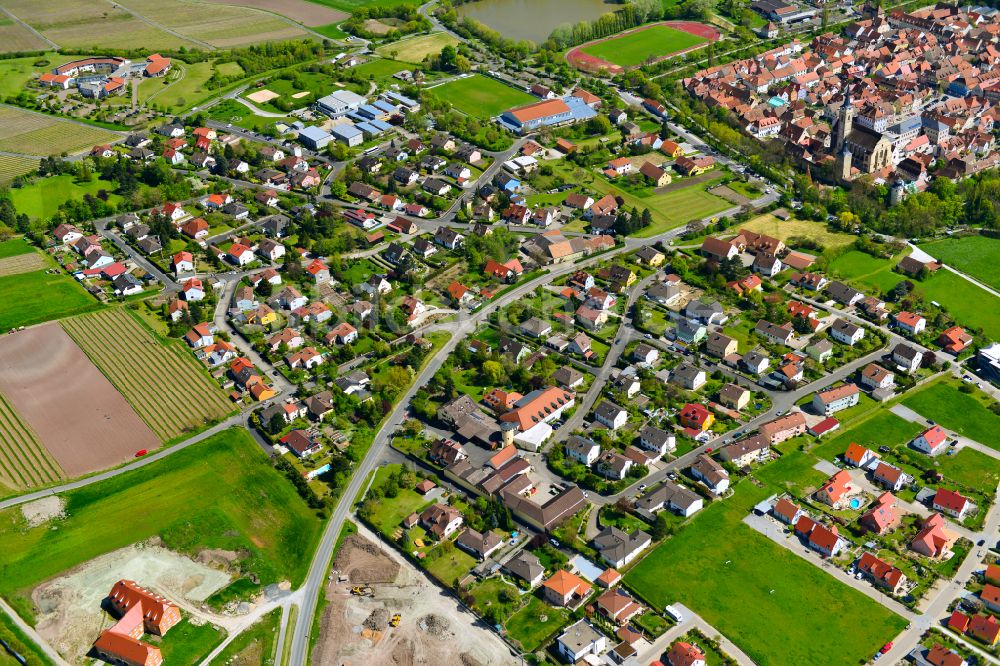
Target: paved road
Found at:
222, 323
30, 632
238, 419
691, 621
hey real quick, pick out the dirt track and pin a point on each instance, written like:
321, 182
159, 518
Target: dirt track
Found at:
80, 418
434, 631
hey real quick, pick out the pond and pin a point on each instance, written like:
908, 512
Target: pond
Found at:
533, 19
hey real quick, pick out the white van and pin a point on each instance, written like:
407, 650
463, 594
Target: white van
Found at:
674, 613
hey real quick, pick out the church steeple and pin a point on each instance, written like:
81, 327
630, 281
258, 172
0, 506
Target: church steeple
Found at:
845, 121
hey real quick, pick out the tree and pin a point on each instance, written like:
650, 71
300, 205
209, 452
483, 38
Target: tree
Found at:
493, 372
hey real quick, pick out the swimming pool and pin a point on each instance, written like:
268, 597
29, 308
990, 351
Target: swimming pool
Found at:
856, 503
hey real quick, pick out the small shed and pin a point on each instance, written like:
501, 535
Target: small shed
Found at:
411, 520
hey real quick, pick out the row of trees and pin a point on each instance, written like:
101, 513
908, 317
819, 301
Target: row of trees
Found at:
632, 14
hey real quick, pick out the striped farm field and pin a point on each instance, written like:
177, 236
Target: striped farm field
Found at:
24, 462
11, 167
35, 134
163, 383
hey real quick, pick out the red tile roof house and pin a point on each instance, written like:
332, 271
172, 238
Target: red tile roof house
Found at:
565, 589
934, 540
881, 573
954, 339
930, 441
881, 517
836, 490
951, 503
858, 456
786, 511
990, 595
889, 476
685, 654
140, 611
617, 606
984, 628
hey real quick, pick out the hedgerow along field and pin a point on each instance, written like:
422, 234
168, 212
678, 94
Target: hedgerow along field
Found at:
162, 381
34, 134
24, 462
219, 493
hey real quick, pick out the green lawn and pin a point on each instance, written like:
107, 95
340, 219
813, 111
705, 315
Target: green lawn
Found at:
527, 627
231, 111
669, 210
390, 511
20, 643
15, 246
31, 298
866, 270
188, 643
969, 304
637, 47
184, 87
779, 608
451, 565
481, 96
16, 72
978, 256
884, 428
379, 69
415, 49
792, 472
220, 493
964, 413
972, 468
42, 198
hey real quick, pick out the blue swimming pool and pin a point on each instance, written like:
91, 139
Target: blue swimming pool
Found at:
855, 503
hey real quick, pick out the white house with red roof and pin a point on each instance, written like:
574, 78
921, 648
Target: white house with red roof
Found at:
240, 254
930, 441
910, 322
193, 290
183, 262
319, 271
952, 503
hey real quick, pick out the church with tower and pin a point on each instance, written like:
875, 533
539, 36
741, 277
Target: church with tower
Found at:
859, 150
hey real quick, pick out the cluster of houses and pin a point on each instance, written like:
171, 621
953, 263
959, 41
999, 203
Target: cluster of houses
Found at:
868, 102
90, 262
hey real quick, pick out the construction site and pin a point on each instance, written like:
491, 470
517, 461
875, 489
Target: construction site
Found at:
381, 610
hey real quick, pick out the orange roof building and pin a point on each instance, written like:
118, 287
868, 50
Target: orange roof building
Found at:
565, 589
140, 611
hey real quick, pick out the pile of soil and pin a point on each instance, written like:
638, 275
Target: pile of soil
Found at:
435, 625
364, 562
377, 620
469, 660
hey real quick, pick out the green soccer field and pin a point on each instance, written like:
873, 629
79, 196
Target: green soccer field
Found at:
637, 47
480, 96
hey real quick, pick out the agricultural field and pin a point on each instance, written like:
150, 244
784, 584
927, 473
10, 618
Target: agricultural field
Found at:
195, 499
220, 26
379, 68
14, 37
978, 256
22, 263
24, 462
21, 306
301, 11
720, 568
84, 24
41, 199
65, 402
350, 5
638, 46
481, 96
966, 414
793, 228
11, 167
35, 134
165, 385
415, 49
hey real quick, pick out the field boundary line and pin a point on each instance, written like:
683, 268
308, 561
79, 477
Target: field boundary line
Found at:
30, 29
159, 26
